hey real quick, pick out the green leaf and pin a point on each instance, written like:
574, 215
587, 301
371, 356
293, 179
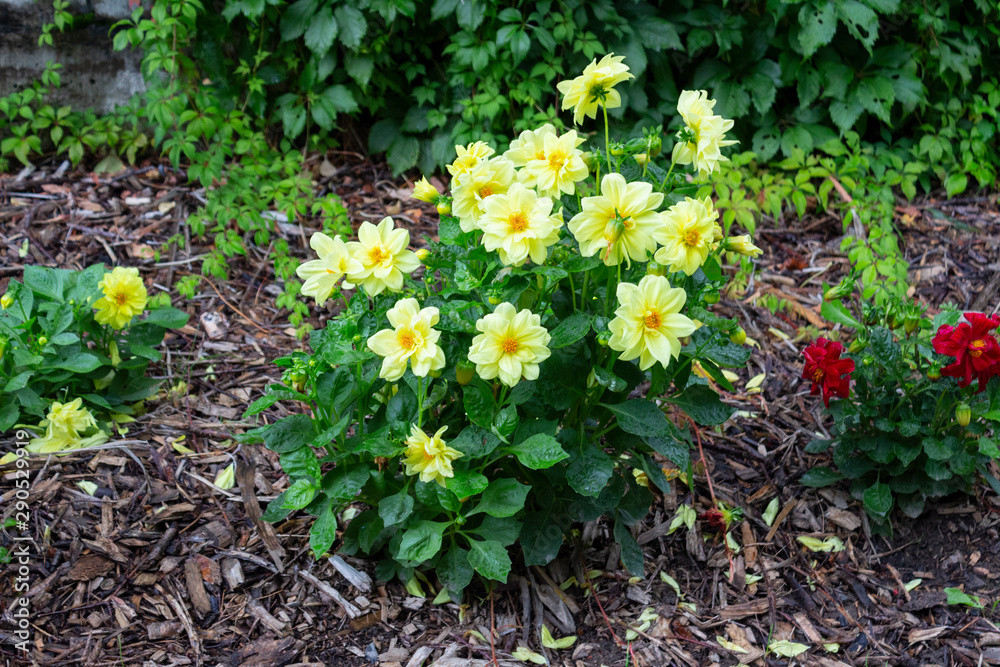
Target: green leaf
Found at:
956, 183
715, 346
957, 596
289, 434
503, 497
299, 494
340, 98
403, 154
323, 531
589, 471
45, 281
81, 362
631, 556
702, 404
570, 330
878, 499
538, 452
609, 380
168, 318
837, 313
490, 559
504, 530
360, 69
640, 417
301, 462
345, 481
820, 476
454, 571
421, 542
819, 24
353, 26
479, 403
395, 508
296, 18
19, 381
657, 34
467, 483
941, 449
8, 414
321, 32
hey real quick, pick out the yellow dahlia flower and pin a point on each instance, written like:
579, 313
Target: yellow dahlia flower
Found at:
703, 137
382, 254
470, 189
63, 427
620, 222
424, 191
595, 87
561, 167
688, 231
743, 245
519, 224
510, 346
529, 145
648, 323
321, 275
410, 340
124, 297
429, 457
468, 157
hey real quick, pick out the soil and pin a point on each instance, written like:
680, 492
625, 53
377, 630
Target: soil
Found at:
159, 567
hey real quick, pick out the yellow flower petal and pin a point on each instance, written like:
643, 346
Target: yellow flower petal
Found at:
124, 297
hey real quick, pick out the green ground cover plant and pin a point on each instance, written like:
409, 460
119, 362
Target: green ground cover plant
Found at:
492, 401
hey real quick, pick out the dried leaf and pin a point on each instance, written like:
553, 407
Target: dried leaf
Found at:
87, 487
833, 544
549, 642
911, 584
771, 512
786, 648
670, 581
226, 479
730, 646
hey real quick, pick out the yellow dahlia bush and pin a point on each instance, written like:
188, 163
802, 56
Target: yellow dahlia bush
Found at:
550, 353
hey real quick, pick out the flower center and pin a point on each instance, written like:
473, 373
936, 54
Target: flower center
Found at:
408, 339
557, 160
652, 320
509, 345
120, 298
977, 347
692, 237
597, 92
485, 191
818, 375
540, 154
517, 222
377, 254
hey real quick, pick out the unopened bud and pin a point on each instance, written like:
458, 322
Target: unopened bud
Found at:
842, 290
464, 372
422, 254
444, 207
43, 341
654, 268
603, 338
435, 373
934, 373
963, 414
640, 158
6, 301
115, 356
910, 324
738, 335
426, 192
712, 297
655, 146
743, 245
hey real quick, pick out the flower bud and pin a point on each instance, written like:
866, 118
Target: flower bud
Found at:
494, 297
934, 373
603, 337
857, 345
963, 414
617, 150
113, 353
591, 379
6, 301
435, 373
464, 372
422, 254
640, 158
910, 324
43, 341
654, 268
743, 245
444, 207
870, 314
3, 345
738, 335
842, 290
655, 146
357, 339
868, 360
590, 160
426, 192
712, 297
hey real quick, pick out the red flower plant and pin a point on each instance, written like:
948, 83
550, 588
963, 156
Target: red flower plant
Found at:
976, 352
826, 370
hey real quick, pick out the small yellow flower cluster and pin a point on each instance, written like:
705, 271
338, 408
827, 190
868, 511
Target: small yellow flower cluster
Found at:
63, 428
377, 261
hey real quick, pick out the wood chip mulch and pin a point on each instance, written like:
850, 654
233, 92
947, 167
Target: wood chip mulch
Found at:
160, 567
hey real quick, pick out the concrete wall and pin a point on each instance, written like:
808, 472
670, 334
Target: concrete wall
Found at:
93, 74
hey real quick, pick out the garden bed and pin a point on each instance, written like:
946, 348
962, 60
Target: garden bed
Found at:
160, 567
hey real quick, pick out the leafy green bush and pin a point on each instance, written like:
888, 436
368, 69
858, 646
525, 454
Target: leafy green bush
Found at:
54, 345
523, 356
907, 434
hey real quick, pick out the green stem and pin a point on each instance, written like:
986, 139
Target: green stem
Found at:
583, 290
572, 292
667, 177
607, 296
420, 402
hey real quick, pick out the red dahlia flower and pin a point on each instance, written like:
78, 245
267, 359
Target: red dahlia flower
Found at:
826, 370
976, 352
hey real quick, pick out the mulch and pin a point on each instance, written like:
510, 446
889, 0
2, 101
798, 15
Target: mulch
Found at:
160, 567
